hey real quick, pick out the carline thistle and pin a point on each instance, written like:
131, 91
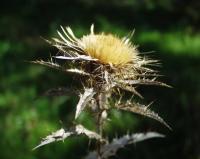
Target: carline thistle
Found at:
107, 65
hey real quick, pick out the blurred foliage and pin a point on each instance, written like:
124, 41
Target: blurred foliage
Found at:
168, 27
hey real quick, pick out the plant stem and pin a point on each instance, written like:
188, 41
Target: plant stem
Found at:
99, 125
101, 102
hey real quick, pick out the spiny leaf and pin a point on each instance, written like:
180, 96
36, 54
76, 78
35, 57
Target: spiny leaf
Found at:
116, 144
83, 101
90, 134
63, 134
55, 136
111, 149
142, 110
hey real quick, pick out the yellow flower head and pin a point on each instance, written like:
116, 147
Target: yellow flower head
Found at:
105, 48
108, 49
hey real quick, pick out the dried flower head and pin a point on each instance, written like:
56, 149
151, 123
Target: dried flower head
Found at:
105, 63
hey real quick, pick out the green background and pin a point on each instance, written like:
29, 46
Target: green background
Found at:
168, 27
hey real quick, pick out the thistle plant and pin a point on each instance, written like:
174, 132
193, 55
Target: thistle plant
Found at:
107, 66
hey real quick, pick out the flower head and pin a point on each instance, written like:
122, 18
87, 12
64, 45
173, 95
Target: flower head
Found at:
107, 60
108, 49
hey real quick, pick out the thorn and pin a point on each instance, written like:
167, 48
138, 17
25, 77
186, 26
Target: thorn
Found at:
150, 104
